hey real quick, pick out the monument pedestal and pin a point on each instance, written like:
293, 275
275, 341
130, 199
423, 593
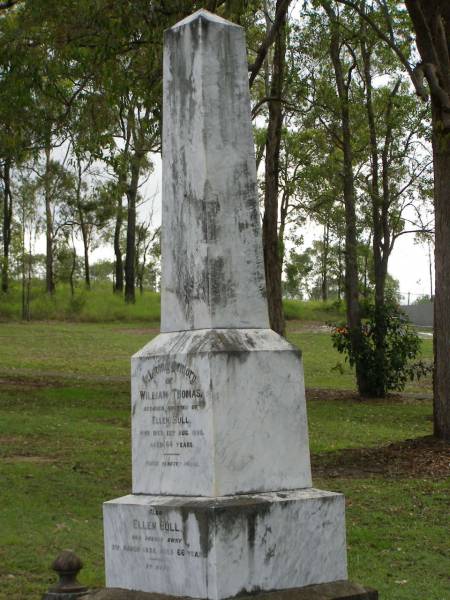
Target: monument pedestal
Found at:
218, 412
218, 548
218, 423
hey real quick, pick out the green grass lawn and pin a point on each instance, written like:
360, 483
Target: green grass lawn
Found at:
65, 449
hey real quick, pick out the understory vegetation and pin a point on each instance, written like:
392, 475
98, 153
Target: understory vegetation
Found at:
65, 449
99, 305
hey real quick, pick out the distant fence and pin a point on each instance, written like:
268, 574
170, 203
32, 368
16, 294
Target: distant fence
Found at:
420, 314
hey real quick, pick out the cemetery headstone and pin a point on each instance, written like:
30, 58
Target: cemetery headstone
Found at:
222, 502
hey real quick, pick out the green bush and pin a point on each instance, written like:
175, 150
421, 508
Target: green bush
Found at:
388, 349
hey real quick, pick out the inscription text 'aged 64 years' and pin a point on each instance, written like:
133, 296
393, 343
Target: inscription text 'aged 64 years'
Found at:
171, 399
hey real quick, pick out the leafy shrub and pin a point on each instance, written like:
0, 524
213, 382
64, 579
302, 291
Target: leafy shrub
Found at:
388, 349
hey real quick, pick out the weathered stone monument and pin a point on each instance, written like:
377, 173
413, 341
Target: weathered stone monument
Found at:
222, 502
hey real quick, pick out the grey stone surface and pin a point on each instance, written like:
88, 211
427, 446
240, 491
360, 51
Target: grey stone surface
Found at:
222, 501
212, 261
219, 547
219, 412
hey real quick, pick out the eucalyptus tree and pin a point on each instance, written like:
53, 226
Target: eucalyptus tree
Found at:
147, 254
430, 75
29, 227
17, 77
41, 82
374, 130
398, 161
272, 259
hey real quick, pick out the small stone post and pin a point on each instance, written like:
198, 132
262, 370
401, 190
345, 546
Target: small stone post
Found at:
67, 565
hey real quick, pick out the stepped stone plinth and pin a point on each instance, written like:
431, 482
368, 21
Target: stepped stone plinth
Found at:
222, 502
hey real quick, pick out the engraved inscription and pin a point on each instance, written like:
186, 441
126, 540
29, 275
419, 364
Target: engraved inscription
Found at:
158, 540
171, 410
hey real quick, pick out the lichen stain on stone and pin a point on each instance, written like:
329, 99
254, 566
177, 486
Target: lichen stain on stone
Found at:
221, 289
185, 525
209, 210
205, 537
220, 341
270, 553
267, 530
227, 82
251, 529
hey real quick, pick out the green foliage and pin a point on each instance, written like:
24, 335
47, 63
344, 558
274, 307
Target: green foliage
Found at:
297, 269
388, 364
424, 299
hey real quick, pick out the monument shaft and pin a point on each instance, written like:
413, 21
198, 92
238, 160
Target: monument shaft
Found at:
212, 260
222, 500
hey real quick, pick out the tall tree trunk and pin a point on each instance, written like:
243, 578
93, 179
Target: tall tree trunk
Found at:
72, 270
83, 227
49, 273
377, 231
339, 281
29, 274
378, 387
351, 242
118, 283
85, 236
325, 254
441, 152
431, 21
271, 240
23, 263
130, 259
430, 270
7, 222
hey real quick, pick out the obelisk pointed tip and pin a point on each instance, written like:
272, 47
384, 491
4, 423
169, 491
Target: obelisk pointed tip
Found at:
207, 16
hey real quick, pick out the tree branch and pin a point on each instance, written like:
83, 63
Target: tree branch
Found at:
8, 4
420, 90
268, 41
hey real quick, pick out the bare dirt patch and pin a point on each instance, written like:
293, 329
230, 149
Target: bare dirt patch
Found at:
140, 331
424, 457
329, 394
10, 439
27, 459
307, 327
26, 383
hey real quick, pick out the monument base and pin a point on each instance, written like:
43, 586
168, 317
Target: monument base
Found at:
338, 590
222, 547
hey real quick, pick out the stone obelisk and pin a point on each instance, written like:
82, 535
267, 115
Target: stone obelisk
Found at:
222, 501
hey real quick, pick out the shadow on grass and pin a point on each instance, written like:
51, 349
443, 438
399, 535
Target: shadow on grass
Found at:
424, 457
